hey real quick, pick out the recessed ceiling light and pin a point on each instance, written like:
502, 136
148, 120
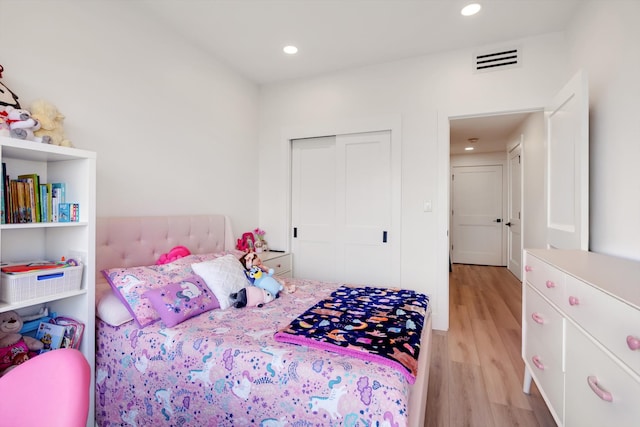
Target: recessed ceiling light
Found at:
471, 9
291, 50
468, 148
473, 140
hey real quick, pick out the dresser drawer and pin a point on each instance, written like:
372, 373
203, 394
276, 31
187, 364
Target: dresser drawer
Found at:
542, 347
599, 392
612, 322
280, 263
547, 279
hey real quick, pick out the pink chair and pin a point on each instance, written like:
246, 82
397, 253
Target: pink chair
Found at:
52, 389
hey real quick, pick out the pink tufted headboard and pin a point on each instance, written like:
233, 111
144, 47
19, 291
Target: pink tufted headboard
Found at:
134, 241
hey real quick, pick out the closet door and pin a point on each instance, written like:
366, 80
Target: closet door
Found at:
342, 194
313, 207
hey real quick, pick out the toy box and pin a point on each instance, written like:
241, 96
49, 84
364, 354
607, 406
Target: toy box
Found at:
17, 287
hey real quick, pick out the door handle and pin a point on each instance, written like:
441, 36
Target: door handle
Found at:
497, 220
508, 224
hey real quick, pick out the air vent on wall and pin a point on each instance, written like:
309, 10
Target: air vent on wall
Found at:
498, 59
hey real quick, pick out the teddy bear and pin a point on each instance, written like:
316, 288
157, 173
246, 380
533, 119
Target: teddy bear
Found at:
51, 123
21, 124
15, 348
251, 296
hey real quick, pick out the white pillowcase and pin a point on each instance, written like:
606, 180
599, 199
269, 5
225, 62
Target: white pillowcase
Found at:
110, 309
224, 276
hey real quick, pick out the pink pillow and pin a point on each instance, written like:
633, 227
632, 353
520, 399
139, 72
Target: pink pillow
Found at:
179, 301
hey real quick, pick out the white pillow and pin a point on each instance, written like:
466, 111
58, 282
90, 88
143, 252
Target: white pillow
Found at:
224, 276
110, 309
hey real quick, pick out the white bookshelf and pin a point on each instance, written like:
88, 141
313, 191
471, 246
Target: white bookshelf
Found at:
51, 241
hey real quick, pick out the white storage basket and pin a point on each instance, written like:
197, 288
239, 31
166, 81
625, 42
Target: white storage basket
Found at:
19, 287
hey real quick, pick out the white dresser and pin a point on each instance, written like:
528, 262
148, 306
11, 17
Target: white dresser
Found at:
581, 336
279, 261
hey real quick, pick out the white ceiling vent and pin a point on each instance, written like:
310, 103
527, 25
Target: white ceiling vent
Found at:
497, 59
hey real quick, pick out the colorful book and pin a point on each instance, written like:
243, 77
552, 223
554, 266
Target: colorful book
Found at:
3, 205
64, 212
62, 191
51, 336
44, 212
34, 188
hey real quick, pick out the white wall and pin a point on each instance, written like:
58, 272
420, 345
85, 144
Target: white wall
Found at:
604, 41
424, 92
533, 171
175, 131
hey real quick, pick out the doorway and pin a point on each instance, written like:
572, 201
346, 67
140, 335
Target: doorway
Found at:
486, 145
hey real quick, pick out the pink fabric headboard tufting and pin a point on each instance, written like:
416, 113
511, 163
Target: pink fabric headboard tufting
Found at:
134, 241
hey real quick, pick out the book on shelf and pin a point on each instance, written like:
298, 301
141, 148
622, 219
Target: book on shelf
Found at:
44, 211
51, 336
3, 201
64, 212
33, 181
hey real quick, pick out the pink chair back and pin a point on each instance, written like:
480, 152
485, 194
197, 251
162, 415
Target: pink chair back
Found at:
51, 389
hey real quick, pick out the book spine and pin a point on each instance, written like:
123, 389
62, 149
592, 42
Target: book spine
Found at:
3, 205
43, 203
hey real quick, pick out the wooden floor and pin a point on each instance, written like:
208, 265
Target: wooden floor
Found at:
476, 368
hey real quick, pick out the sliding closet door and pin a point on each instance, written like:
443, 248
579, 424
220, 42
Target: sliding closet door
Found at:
347, 234
313, 207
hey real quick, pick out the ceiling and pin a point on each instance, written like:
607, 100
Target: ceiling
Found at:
333, 35
248, 35
493, 132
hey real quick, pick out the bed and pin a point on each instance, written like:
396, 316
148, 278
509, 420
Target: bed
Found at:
224, 367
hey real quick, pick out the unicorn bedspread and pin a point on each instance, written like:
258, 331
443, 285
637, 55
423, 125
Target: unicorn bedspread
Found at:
224, 368
381, 325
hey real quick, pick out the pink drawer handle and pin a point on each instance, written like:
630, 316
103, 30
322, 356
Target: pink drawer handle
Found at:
550, 284
537, 318
528, 268
602, 394
536, 361
574, 300
633, 342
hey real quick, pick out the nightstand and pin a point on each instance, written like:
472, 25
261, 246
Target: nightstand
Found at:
279, 261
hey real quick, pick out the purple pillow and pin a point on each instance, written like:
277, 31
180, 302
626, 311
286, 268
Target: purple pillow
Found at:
179, 301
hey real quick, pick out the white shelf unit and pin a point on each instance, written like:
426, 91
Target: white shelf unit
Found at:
51, 241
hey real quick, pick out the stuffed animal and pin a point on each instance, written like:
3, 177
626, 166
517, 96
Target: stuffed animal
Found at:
51, 123
251, 259
173, 254
7, 98
265, 281
21, 124
14, 347
250, 296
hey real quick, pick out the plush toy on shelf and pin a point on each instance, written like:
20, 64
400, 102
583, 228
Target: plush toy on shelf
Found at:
21, 124
15, 348
250, 296
7, 97
51, 123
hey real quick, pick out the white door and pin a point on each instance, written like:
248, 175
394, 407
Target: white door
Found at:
514, 212
567, 178
347, 234
313, 183
477, 215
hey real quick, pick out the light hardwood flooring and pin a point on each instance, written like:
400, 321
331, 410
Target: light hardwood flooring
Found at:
476, 368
